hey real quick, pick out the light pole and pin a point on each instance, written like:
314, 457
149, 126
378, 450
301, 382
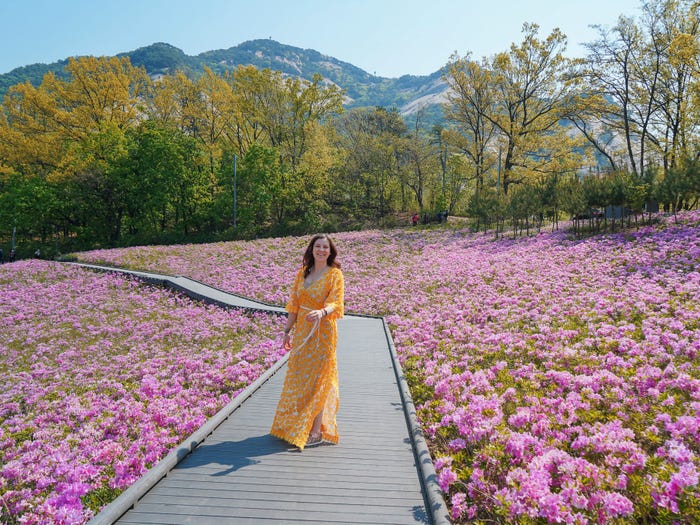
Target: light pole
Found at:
234, 190
498, 183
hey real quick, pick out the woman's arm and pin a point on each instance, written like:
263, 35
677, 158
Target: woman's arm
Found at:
287, 341
334, 307
291, 320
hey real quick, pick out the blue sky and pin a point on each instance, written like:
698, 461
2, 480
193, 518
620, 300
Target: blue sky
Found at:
389, 38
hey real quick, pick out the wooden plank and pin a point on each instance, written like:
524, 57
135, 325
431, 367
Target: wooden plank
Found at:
233, 506
292, 492
211, 464
205, 515
309, 482
253, 518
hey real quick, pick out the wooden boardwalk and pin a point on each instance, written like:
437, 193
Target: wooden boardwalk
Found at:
379, 473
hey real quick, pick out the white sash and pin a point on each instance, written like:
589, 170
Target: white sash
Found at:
314, 328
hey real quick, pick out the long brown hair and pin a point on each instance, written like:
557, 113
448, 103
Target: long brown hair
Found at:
309, 254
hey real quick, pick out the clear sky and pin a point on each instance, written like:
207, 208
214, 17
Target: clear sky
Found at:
388, 38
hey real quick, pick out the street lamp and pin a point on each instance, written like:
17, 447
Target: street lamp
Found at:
234, 189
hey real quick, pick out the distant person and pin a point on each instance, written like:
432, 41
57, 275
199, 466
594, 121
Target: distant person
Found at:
2, 260
415, 219
12, 255
306, 412
37, 253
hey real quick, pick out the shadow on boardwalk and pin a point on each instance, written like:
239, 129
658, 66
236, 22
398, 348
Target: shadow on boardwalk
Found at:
236, 454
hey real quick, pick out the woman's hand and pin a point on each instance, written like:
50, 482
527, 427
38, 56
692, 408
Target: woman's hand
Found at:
315, 315
287, 342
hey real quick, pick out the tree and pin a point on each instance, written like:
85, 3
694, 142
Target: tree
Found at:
27, 203
469, 110
284, 109
613, 68
369, 174
534, 90
524, 203
285, 114
674, 30
418, 162
168, 183
260, 180
680, 187
73, 132
457, 175
254, 91
204, 109
572, 198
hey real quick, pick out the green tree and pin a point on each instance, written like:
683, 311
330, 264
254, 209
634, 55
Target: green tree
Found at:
457, 177
535, 89
641, 76
261, 179
418, 162
72, 133
369, 172
673, 27
469, 109
27, 204
168, 184
679, 188
286, 114
571, 197
615, 67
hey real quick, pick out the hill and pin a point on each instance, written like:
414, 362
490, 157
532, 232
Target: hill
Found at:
408, 93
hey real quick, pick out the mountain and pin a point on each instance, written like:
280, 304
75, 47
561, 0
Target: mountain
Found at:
408, 93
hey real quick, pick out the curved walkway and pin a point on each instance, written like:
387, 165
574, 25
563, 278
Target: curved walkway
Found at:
231, 471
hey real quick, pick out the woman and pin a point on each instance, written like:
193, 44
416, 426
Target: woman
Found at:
307, 408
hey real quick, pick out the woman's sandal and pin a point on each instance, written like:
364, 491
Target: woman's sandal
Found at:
314, 439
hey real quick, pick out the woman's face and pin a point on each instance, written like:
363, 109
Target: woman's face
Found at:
322, 250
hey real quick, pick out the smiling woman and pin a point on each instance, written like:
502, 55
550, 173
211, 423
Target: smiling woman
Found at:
307, 408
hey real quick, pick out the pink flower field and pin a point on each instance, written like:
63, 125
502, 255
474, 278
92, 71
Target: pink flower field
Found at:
557, 380
101, 377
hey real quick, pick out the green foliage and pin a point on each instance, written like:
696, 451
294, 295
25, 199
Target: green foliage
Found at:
487, 205
160, 58
33, 73
680, 187
97, 154
259, 180
96, 499
163, 174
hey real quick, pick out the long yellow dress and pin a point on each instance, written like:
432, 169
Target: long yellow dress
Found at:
311, 383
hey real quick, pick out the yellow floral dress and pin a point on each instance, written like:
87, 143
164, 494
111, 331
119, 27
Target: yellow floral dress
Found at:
311, 383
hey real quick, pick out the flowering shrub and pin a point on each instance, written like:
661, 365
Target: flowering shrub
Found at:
101, 377
556, 380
